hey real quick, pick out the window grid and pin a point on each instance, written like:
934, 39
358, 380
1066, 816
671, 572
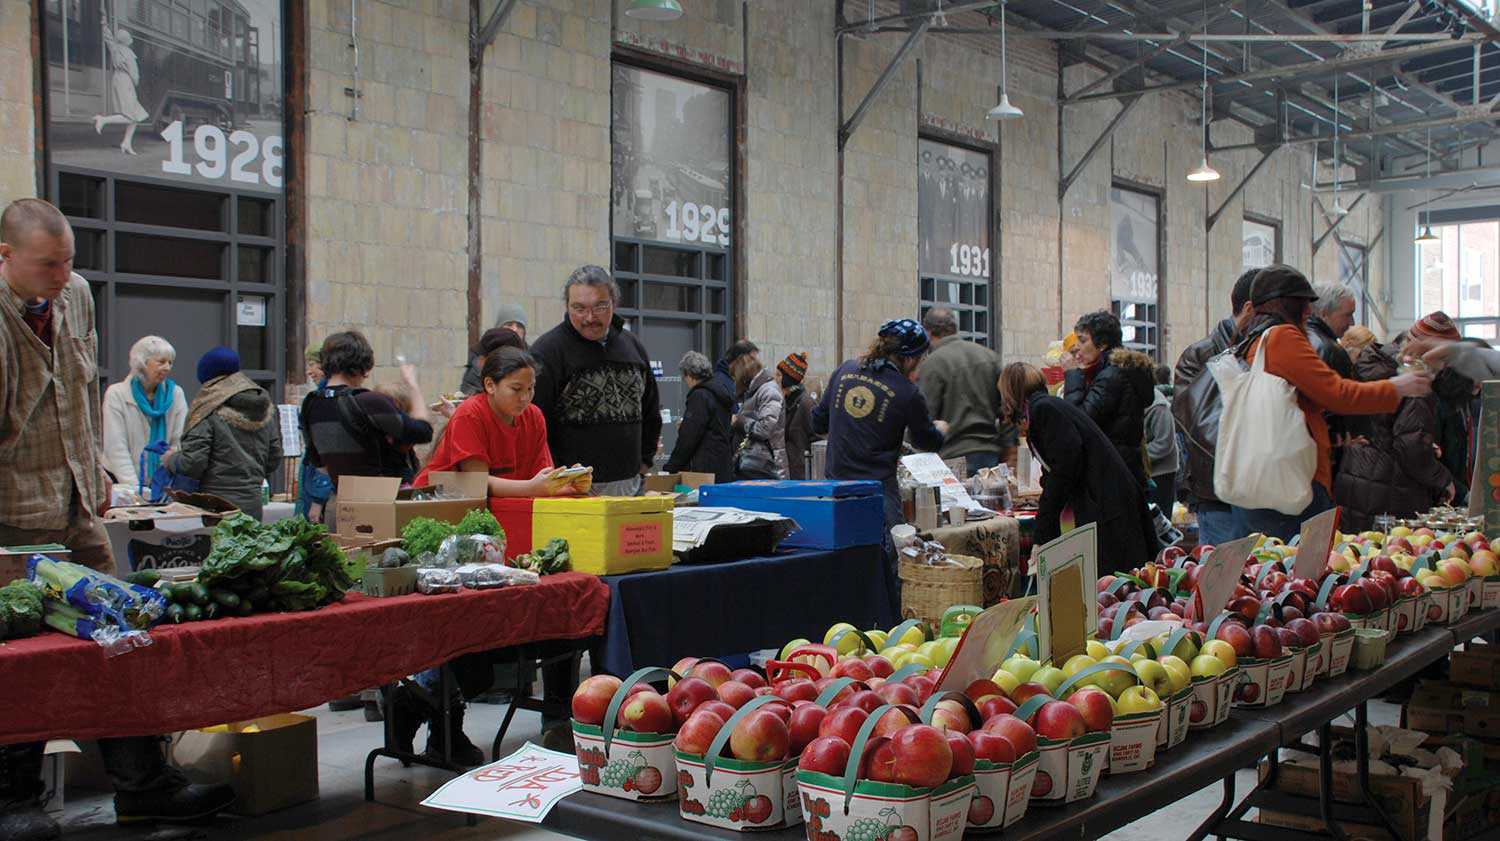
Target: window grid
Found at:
703, 289
967, 297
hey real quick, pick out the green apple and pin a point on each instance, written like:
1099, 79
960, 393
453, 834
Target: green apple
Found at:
1144, 651
898, 656
1154, 676
1076, 664
877, 637
1005, 680
786, 650
850, 644
1096, 649
913, 635
1021, 666
1112, 681
944, 649
1186, 648
1207, 665
921, 658
1178, 670
1137, 699
1050, 677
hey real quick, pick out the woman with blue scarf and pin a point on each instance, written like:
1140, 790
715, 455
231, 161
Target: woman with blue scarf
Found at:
144, 409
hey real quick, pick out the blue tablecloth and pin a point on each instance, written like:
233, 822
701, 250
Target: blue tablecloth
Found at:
712, 610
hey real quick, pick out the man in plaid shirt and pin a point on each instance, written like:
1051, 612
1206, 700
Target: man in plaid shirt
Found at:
53, 488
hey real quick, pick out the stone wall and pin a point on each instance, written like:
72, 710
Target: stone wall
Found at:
17, 113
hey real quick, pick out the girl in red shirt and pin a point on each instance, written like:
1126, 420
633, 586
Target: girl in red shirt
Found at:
500, 432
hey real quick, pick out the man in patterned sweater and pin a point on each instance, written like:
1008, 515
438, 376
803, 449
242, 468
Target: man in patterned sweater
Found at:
596, 388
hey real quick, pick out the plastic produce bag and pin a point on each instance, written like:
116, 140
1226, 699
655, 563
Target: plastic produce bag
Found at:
1264, 457
434, 580
91, 605
490, 576
462, 549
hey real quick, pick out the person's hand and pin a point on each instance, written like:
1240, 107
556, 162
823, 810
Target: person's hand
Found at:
546, 482
581, 485
409, 373
646, 469
109, 495
315, 512
1437, 450
942, 426
1449, 493
443, 407
1435, 354
1414, 384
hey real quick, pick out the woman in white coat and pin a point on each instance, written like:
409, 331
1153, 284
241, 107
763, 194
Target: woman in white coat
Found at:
125, 74
146, 407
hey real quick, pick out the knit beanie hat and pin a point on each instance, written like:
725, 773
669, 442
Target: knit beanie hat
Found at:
217, 363
794, 367
510, 312
1436, 325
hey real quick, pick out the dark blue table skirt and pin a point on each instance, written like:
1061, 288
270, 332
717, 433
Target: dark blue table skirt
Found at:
711, 610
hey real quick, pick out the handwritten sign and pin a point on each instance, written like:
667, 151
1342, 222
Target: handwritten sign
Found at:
1314, 543
1067, 606
1221, 571
986, 643
521, 787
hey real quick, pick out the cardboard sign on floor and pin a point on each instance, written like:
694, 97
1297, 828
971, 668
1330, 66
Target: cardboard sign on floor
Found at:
521, 787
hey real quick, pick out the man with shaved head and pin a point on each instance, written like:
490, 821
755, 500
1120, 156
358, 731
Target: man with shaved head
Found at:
55, 489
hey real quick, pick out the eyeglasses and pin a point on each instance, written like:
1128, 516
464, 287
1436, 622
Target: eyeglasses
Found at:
597, 309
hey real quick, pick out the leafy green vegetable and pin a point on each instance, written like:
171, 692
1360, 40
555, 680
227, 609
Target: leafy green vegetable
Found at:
287, 565
553, 557
424, 534
20, 609
480, 521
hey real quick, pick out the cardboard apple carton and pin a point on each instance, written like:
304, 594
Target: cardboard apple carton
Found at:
1447, 604
1340, 647
1177, 706
1476, 593
1002, 790
736, 794
1068, 770
849, 808
1404, 615
1306, 665
623, 763
1419, 611
1213, 695
1491, 597
1132, 735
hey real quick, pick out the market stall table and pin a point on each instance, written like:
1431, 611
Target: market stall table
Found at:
657, 618
211, 672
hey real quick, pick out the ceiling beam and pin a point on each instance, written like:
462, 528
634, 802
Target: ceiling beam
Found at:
911, 17
912, 40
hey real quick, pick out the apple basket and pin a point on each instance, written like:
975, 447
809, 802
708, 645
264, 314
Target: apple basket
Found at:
737, 794
1068, 769
851, 808
1002, 790
1262, 681
1179, 705
623, 763
1491, 590
1132, 735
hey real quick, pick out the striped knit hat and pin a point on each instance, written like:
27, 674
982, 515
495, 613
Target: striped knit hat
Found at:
794, 367
1436, 325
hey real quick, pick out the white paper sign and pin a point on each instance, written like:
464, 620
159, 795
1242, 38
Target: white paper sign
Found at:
291, 429
521, 787
1074, 555
251, 311
1221, 571
1314, 543
930, 469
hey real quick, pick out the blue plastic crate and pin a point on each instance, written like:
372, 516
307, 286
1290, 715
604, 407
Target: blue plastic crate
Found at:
831, 515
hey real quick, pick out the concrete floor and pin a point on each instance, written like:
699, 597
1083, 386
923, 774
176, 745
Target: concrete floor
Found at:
342, 813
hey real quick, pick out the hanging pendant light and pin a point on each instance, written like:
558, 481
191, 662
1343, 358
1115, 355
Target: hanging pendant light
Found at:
1003, 110
1204, 172
654, 10
1425, 234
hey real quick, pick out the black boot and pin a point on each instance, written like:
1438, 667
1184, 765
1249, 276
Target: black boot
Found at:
21, 815
408, 712
178, 804
464, 752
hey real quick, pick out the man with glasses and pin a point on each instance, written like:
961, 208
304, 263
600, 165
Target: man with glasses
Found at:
596, 388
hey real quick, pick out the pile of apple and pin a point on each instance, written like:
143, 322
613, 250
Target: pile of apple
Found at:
882, 651
1452, 560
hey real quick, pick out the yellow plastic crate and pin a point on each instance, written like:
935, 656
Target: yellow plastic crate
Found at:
608, 535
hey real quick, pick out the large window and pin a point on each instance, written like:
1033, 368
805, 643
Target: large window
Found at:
953, 235
1354, 272
670, 198
1134, 257
1262, 243
1460, 275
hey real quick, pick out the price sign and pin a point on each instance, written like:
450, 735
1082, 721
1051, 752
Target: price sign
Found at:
521, 787
1221, 571
1314, 543
986, 643
1067, 604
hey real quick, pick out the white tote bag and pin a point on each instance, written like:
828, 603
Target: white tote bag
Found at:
1265, 457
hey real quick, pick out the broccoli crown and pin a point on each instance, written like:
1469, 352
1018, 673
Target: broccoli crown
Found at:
20, 609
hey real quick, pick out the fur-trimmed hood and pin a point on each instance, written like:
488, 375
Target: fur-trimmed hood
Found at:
1126, 358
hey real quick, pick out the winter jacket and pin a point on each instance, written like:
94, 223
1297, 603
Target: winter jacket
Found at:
866, 412
1199, 421
235, 448
1161, 436
599, 399
758, 429
1321, 337
959, 381
796, 416
127, 431
1116, 400
1476, 362
1457, 414
704, 441
1082, 469
1398, 473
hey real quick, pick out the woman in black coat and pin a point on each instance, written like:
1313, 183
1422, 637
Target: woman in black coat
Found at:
1082, 470
1113, 386
704, 441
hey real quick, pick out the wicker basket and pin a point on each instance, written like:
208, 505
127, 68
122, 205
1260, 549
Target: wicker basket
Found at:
927, 591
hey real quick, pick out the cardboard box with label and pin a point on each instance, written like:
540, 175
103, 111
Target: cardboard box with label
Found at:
272, 761
378, 507
608, 535
177, 534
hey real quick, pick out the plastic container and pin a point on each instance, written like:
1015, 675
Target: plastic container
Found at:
829, 515
1369, 648
389, 581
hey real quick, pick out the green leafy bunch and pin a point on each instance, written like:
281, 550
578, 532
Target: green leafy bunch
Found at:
293, 559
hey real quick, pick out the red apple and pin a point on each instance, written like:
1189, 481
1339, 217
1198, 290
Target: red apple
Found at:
880, 665
1350, 598
782, 709
924, 686
963, 754
982, 687
1096, 707
684, 666
749, 677
992, 747
796, 689
710, 671
1304, 630
760, 736
804, 724
843, 723
646, 712
879, 763
1330, 622
686, 695
717, 707
894, 719
698, 732
1375, 590
922, 755
864, 700
951, 715
735, 694
1246, 606
1411, 587
852, 668
993, 705
898, 693
1023, 693
1266, 643
591, 698
826, 755
1021, 735
1237, 637
1059, 720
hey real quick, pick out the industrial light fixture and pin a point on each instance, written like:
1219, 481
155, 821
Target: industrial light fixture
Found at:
654, 10
1003, 110
1425, 234
1204, 172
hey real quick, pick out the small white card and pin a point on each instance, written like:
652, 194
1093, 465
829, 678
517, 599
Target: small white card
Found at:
521, 787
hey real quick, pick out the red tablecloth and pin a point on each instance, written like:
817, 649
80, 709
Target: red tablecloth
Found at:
205, 673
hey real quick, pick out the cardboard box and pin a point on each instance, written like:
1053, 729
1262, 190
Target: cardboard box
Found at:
177, 534
832, 515
608, 535
378, 507
272, 762
54, 773
667, 482
1401, 797
1478, 666
1440, 707
13, 558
